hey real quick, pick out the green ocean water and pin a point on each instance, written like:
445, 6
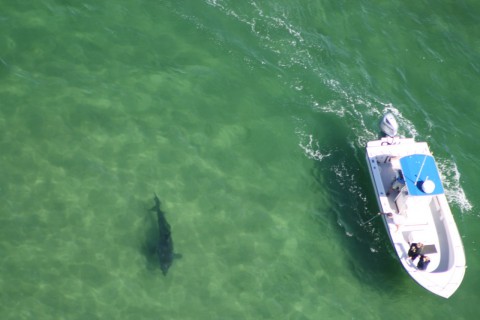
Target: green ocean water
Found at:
249, 120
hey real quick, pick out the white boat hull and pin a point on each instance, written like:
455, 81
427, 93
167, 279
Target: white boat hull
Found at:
419, 216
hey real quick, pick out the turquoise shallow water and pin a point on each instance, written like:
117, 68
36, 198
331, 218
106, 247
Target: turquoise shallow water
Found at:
249, 121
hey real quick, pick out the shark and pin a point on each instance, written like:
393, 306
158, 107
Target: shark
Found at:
165, 250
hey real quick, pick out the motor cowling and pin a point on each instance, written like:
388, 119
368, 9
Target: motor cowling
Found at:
389, 125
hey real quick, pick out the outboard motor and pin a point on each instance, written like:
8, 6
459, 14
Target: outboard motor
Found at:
389, 125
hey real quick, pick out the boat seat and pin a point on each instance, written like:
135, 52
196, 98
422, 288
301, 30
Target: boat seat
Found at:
429, 249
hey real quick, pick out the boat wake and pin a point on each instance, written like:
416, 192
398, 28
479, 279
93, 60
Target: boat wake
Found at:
311, 147
451, 181
298, 57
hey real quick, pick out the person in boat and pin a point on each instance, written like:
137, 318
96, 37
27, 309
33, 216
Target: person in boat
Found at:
397, 218
397, 184
415, 250
423, 262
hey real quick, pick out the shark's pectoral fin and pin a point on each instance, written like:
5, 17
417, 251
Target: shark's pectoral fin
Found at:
177, 255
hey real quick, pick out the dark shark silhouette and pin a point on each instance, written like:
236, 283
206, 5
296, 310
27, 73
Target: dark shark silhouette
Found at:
165, 242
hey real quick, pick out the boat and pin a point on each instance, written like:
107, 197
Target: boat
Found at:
415, 210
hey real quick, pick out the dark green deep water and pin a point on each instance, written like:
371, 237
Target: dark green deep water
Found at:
249, 120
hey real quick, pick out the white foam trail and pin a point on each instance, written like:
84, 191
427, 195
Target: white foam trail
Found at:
451, 182
311, 147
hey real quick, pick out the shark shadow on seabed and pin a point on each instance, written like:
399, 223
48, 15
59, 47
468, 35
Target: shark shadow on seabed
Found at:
163, 244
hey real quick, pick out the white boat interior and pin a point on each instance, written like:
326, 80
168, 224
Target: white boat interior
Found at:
408, 185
